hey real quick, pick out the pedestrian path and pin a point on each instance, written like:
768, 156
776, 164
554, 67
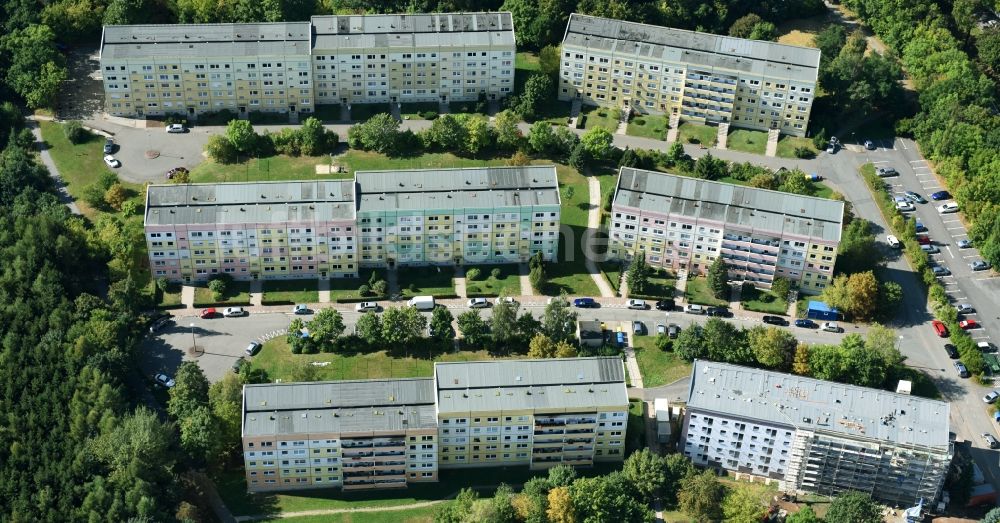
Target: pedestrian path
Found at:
526, 289
722, 138
256, 293
324, 290
187, 296
594, 223
459, 282
63, 194
735, 296
675, 120
772, 142
681, 284
392, 278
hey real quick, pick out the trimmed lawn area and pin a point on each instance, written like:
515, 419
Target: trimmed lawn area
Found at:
327, 113
427, 281
600, 117
509, 282
261, 118
410, 515
274, 168
371, 161
747, 141
649, 126
278, 292
635, 431
362, 112
237, 293
415, 111
612, 271
570, 274
801, 31
754, 299
658, 367
788, 144
347, 288
698, 292
170, 298
689, 132
661, 284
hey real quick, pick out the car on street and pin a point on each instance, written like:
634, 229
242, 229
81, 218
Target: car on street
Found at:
831, 326
366, 306
301, 309
585, 303
252, 349
914, 197
964, 244
719, 312
109, 146
885, 172
870, 145
991, 441
968, 324
948, 208
207, 314
979, 265
478, 303
665, 305
639, 305
694, 309
991, 396
176, 128
805, 323
923, 239
940, 195
940, 328
661, 329
160, 323
110, 161
505, 299
962, 370
893, 242
638, 328
234, 312
673, 331
164, 380
238, 364
930, 249
965, 308
940, 271
951, 350
774, 320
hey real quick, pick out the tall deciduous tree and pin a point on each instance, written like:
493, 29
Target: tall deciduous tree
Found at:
380, 133
441, 328
646, 473
190, 390
854, 507
508, 135
718, 275
559, 320
539, 91
607, 498
598, 143
700, 496
560, 506
369, 328
743, 505
676, 467
637, 275
36, 70
772, 347
503, 324
326, 327
475, 331
862, 289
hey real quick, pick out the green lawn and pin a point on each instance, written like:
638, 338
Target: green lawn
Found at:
690, 132
658, 367
758, 300
362, 112
347, 288
261, 118
787, 145
274, 168
170, 298
410, 515
327, 112
698, 292
354, 160
660, 284
747, 141
237, 293
570, 274
509, 282
612, 271
525, 64
290, 291
414, 111
605, 117
649, 126
635, 430
427, 281
802, 307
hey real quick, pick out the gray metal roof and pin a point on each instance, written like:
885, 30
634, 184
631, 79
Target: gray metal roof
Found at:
469, 188
206, 40
338, 406
700, 49
749, 207
256, 202
510, 385
338, 32
819, 406
590, 329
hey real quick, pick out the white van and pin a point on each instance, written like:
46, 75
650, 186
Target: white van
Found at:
422, 303
893, 242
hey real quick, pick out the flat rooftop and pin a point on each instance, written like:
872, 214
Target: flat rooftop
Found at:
119, 42
336, 32
468, 188
755, 57
249, 203
747, 207
819, 406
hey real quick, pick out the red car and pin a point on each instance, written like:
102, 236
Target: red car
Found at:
968, 324
923, 239
940, 328
207, 314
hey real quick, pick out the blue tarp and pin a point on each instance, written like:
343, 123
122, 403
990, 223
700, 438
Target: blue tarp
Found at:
821, 311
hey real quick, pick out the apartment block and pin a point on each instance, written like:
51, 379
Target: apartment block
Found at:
375, 434
265, 230
437, 57
155, 70
697, 76
815, 436
452, 216
684, 223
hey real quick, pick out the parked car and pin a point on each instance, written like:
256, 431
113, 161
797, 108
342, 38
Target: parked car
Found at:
979, 265
885, 172
962, 370
661, 329
964, 244
694, 309
990, 440
948, 208
585, 303
207, 314
940, 271
831, 148
965, 308
164, 380
991, 396
639, 305
638, 328
940, 195
985, 346
831, 326
109, 146
805, 323
252, 349
505, 299
774, 320
301, 309
940, 328
478, 303
665, 305
366, 306
110, 161
914, 197
930, 249
238, 364
923, 239
903, 205
673, 331
951, 350
160, 323
870, 145
893, 242
234, 312
968, 324
920, 227
176, 128
719, 312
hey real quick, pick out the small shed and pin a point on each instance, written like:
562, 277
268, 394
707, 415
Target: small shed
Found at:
820, 311
589, 333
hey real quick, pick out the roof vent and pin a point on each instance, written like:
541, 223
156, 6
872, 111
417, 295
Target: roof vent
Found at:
517, 378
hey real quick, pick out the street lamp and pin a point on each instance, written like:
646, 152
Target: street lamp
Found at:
899, 342
194, 345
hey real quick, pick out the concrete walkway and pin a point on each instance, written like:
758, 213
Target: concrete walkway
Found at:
256, 293
61, 191
459, 281
735, 296
324, 290
681, 284
392, 279
526, 289
187, 296
594, 223
211, 494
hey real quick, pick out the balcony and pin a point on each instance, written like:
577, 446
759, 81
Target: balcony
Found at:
390, 443
348, 454
353, 444
547, 459
389, 453
359, 464
546, 450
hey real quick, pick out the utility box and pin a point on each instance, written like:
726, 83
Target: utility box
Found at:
662, 409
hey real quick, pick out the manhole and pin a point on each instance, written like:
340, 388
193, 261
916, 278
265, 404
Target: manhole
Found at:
152, 155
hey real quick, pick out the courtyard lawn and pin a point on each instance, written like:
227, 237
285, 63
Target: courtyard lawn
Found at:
433, 280
274, 168
346, 289
660, 284
327, 113
421, 514
802, 31
416, 111
508, 284
605, 117
747, 141
635, 430
612, 271
570, 274
278, 292
698, 292
658, 367
788, 144
362, 112
754, 299
649, 126
237, 293
354, 160
690, 132
168, 299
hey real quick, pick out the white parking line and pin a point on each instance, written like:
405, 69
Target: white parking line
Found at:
980, 337
923, 174
953, 220
881, 161
971, 256
948, 248
901, 142
917, 161
955, 228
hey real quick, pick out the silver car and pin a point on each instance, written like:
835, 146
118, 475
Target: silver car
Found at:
234, 312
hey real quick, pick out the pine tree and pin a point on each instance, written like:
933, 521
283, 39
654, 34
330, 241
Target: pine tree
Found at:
718, 273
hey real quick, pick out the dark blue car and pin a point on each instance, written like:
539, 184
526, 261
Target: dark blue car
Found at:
941, 195
585, 303
802, 322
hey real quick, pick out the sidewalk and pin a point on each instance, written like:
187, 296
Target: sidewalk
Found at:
63, 194
526, 289
594, 223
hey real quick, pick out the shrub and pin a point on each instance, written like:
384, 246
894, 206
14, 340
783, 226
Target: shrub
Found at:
473, 289
364, 290
473, 274
380, 288
804, 152
429, 115
412, 287
162, 284
220, 149
496, 273
75, 132
115, 196
218, 288
581, 121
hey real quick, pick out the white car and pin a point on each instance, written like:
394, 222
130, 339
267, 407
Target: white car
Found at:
176, 128
694, 309
164, 380
366, 306
661, 328
234, 312
639, 305
111, 161
301, 309
965, 308
949, 207
991, 396
831, 326
893, 242
505, 299
478, 303
903, 205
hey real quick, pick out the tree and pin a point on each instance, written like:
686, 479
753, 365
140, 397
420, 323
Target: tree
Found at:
479, 135
743, 26
645, 471
559, 320
448, 133
380, 134
189, 392
597, 142
537, 277
723, 341
541, 346
115, 196
326, 326
988, 45
993, 516
549, 59
316, 139
718, 276
225, 398
890, 295
36, 69
882, 341
709, 167
473, 274
780, 287
854, 507
127, 12
441, 328
218, 288
74, 131
637, 275
690, 343
503, 324
508, 135
539, 91
475, 331
829, 41
827, 362
800, 364
369, 328
402, 326
241, 134
199, 435
541, 139
560, 506
607, 498
457, 510
862, 289
743, 505
676, 467
700, 496
772, 347
220, 149
804, 515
